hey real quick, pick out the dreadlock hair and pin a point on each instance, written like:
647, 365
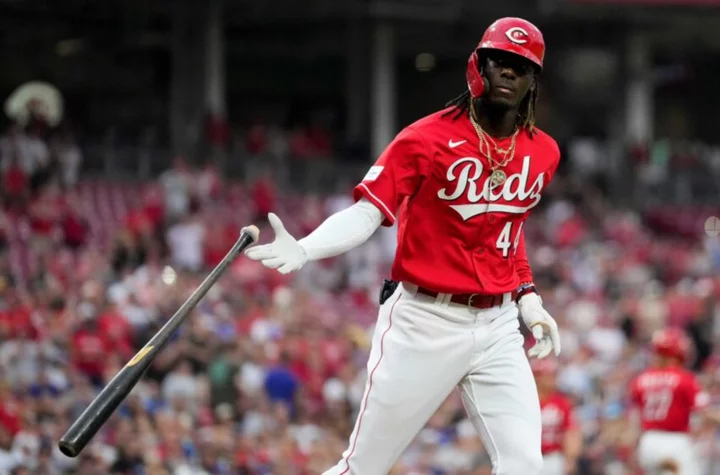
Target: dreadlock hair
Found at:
526, 112
460, 106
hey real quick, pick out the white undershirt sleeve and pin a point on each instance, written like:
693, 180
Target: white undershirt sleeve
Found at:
344, 230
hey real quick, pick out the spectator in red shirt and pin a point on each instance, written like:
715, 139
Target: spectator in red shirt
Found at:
217, 130
74, 224
252, 312
264, 196
16, 319
15, 185
46, 211
88, 348
138, 221
116, 332
219, 238
256, 140
10, 418
153, 207
561, 437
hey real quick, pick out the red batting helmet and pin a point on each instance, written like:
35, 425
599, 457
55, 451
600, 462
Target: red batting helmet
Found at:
671, 342
513, 35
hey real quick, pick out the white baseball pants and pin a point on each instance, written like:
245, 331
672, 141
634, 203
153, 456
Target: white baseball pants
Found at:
657, 447
553, 464
421, 349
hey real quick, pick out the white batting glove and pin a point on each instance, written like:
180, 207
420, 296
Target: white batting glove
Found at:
542, 325
284, 254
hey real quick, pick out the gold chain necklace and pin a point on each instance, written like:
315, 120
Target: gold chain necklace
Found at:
498, 176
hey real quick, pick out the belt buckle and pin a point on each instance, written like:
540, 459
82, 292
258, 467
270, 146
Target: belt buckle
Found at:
470, 300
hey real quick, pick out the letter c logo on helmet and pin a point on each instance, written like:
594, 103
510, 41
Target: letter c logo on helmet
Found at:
517, 35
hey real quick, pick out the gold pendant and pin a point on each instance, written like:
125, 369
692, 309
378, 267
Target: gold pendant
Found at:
498, 177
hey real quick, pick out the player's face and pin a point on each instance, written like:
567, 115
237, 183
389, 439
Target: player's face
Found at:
510, 77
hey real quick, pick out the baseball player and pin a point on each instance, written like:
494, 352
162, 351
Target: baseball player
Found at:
561, 436
466, 177
665, 396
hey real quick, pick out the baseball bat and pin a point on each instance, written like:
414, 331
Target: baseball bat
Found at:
105, 403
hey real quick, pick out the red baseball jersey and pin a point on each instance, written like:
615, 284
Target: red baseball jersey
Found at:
557, 420
458, 233
666, 397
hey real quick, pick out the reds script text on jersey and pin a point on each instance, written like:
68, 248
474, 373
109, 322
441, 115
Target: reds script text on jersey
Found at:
666, 398
458, 233
557, 420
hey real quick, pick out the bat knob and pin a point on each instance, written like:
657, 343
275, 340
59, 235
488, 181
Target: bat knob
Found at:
253, 231
68, 448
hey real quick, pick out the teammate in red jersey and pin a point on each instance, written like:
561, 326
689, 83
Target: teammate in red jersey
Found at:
466, 178
561, 436
665, 396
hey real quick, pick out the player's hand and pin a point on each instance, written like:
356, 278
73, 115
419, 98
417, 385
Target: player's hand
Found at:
284, 254
542, 325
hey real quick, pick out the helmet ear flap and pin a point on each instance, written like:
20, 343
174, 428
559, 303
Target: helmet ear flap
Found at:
477, 83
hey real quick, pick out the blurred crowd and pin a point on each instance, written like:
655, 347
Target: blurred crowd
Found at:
268, 373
